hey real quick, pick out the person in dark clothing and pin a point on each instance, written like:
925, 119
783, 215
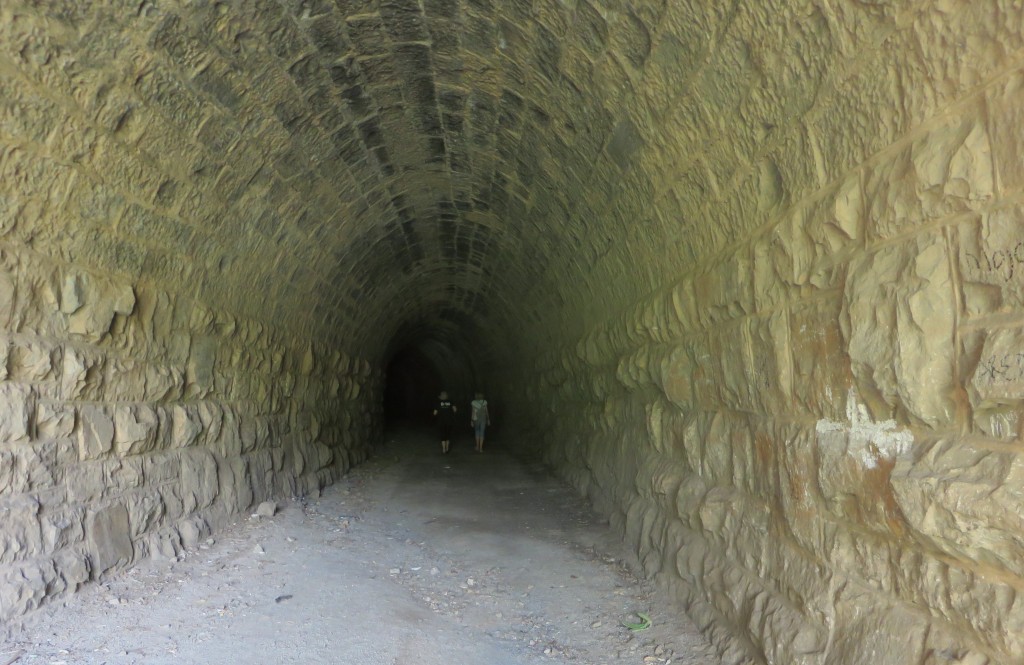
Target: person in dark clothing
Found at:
444, 415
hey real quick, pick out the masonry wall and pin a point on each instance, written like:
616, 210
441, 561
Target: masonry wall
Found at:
150, 388
754, 268
814, 435
136, 421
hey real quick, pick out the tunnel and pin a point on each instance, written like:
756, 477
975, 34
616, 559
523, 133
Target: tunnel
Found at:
749, 276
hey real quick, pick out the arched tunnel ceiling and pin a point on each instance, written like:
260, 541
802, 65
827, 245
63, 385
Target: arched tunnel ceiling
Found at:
348, 166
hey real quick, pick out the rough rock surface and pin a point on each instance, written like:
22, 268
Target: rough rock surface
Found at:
752, 270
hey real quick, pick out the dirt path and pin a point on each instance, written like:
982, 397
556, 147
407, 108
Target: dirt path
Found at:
412, 559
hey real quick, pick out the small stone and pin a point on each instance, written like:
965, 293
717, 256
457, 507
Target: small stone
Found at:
659, 650
435, 571
267, 509
259, 549
395, 571
596, 624
470, 581
290, 539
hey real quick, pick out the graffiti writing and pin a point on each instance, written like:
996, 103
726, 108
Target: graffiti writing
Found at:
1004, 262
1002, 368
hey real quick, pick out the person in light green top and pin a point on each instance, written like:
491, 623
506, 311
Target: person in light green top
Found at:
480, 418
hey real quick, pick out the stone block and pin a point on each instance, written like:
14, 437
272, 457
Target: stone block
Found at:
135, 430
108, 536
85, 482
200, 376
124, 475
200, 479
54, 421
855, 461
192, 530
21, 537
63, 528
1005, 102
819, 359
162, 384
186, 425
164, 544
999, 373
12, 481
8, 302
31, 362
95, 433
229, 443
73, 569
161, 467
91, 303
173, 502
82, 374
965, 502
859, 637
24, 587
235, 492
991, 261
946, 171
725, 291
769, 363
898, 316
145, 511
17, 412
211, 421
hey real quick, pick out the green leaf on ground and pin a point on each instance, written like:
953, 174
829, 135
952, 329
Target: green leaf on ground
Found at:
645, 622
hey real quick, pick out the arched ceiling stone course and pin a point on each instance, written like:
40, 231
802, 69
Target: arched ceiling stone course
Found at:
336, 155
696, 239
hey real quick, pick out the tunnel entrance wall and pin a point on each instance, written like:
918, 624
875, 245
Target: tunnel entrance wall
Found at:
814, 437
136, 421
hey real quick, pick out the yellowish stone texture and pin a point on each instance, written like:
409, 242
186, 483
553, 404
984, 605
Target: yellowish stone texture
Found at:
749, 274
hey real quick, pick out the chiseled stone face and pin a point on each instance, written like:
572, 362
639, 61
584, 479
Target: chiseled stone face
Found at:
754, 271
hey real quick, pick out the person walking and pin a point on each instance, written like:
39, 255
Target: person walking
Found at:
444, 415
479, 418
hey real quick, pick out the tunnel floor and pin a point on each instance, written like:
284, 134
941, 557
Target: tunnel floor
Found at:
413, 558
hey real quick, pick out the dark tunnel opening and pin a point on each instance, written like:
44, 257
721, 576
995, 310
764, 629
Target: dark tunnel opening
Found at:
411, 385
425, 361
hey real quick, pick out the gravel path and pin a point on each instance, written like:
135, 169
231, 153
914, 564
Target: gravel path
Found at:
414, 558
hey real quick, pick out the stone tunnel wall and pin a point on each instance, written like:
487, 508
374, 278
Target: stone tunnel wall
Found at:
772, 244
136, 421
814, 436
155, 381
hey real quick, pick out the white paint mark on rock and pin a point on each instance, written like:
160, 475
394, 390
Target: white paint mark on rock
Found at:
863, 438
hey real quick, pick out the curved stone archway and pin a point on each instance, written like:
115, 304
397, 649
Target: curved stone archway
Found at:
751, 270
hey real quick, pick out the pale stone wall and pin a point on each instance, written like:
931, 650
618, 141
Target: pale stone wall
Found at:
813, 433
159, 374
754, 267
135, 421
